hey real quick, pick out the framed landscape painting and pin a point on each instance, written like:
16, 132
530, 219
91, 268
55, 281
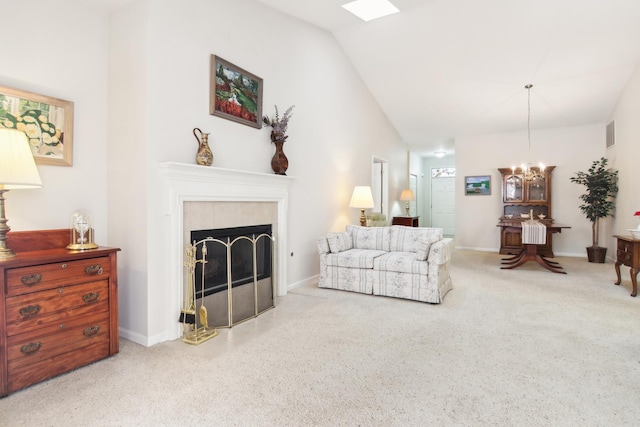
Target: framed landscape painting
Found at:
47, 122
477, 185
235, 94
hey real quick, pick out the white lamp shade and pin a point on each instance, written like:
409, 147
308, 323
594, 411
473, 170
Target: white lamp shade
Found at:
17, 166
407, 196
362, 197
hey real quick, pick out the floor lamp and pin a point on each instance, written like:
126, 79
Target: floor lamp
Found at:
362, 198
17, 170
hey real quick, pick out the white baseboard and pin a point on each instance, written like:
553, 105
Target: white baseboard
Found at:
134, 336
144, 340
477, 249
308, 281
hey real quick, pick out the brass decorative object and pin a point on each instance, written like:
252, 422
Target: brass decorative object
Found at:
81, 232
191, 332
204, 156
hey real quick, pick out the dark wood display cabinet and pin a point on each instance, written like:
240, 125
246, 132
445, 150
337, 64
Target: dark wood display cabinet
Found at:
58, 308
519, 197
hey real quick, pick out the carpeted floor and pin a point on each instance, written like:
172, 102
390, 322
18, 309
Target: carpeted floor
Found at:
523, 347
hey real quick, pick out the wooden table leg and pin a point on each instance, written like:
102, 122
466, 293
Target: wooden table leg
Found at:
634, 281
511, 258
530, 253
555, 267
514, 259
617, 267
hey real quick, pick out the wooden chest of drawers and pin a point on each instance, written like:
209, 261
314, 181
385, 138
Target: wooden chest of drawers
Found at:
58, 309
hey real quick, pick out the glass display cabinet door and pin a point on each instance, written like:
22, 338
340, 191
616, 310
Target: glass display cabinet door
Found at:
513, 188
537, 189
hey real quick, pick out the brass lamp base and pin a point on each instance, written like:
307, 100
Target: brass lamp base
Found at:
5, 252
406, 209
363, 219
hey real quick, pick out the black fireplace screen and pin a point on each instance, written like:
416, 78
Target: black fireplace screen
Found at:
241, 257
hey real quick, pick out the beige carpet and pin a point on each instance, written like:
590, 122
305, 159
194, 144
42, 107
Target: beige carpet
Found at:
521, 347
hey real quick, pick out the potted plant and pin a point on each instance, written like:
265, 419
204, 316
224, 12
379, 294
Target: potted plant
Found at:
598, 201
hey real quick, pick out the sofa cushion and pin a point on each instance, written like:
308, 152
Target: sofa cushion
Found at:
374, 238
414, 239
354, 258
401, 262
339, 242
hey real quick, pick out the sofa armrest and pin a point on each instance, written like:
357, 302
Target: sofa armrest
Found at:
440, 251
323, 245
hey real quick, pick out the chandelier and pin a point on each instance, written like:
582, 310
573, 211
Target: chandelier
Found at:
528, 172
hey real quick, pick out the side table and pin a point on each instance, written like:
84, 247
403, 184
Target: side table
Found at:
409, 221
628, 253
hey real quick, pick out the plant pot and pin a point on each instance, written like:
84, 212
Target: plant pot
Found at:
596, 254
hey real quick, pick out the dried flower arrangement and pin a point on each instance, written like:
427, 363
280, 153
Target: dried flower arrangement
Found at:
277, 123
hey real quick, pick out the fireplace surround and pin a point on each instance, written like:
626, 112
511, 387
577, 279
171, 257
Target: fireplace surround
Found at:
200, 197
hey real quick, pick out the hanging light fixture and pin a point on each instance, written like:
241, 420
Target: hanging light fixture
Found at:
530, 173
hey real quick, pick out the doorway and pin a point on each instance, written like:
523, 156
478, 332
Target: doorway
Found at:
443, 200
413, 186
380, 184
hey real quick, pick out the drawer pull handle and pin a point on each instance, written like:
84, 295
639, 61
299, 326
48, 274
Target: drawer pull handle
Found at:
30, 348
91, 297
31, 279
93, 270
91, 331
29, 311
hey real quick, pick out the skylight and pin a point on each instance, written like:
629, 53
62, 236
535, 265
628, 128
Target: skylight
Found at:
371, 9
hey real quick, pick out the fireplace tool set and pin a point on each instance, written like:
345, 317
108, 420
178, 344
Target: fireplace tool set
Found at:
191, 332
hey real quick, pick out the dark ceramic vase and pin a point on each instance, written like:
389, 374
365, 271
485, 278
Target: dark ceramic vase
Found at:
279, 162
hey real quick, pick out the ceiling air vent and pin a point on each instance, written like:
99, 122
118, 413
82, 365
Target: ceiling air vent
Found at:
611, 134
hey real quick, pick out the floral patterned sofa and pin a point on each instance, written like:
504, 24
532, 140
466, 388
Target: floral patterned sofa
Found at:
395, 261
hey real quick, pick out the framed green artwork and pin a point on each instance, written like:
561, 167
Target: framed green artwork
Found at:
479, 185
235, 94
47, 122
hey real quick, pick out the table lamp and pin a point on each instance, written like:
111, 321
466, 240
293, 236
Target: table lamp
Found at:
362, 198
17, 170
407, 196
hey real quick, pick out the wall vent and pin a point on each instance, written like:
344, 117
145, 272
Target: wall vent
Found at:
611, 134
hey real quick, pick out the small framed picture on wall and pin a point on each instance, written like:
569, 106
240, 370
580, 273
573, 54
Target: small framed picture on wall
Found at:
478, 185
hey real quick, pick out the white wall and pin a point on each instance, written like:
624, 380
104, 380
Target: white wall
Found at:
129, 148
625, 155
335, 129
59, 49
569, 149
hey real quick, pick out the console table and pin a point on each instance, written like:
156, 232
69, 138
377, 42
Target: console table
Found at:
529, 252
409, 221
628, 253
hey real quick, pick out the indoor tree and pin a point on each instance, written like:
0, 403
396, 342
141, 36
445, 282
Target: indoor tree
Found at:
599, 198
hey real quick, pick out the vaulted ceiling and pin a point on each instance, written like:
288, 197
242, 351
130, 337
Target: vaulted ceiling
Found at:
446, 68
441, 69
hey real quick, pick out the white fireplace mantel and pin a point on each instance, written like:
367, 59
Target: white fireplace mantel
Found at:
182, 183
